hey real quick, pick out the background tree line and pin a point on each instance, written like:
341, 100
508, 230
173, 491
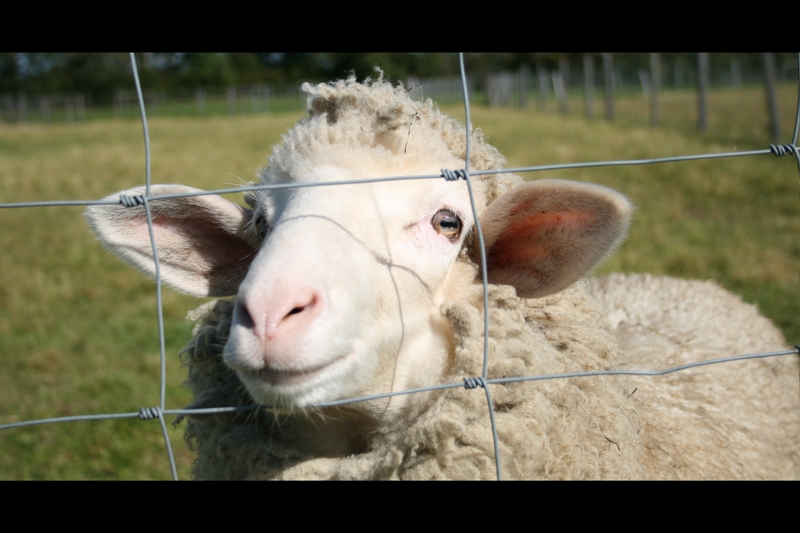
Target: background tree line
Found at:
100, 74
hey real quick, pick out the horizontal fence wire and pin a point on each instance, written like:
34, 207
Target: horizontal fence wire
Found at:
148, 413
778, 151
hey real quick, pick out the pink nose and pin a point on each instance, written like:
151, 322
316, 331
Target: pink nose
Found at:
279, 319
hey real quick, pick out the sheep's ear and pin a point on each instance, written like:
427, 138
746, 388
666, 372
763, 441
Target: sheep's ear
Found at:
545, 235
203, 246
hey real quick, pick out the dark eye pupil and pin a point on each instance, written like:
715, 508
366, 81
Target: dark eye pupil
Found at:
447, 223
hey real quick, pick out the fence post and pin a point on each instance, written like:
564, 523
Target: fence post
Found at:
678, 74
44, 107
541, 74
772, 102
81, 104
655, 85
558, 87
736, 73
524, 73
69, 109
254, 99
588, 84
644, 82
231, 100
200, 96
702, 91
608, 84
563, 83
22, 109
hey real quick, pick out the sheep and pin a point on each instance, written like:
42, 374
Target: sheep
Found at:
375, 287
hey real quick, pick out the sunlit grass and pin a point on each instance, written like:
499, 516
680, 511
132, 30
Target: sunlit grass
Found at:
78, 328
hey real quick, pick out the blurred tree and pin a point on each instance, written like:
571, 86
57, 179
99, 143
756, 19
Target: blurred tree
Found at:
99, 74
9, 73
213, 71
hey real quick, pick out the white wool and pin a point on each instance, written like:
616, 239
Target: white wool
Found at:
374, 287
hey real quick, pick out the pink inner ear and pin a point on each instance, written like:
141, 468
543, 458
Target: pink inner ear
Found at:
523, 244
197, 256
510, 253
543, 221
543, 236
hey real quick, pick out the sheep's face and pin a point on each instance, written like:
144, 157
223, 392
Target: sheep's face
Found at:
342, 298
339, 286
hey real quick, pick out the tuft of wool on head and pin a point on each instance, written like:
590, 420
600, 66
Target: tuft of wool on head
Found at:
376, 114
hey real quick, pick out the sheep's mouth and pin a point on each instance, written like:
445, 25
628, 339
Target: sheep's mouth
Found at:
285, 377
298, 388
288, 377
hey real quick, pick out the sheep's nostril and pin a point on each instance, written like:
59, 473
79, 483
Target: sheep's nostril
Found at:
271, 316
242, 314
303, 303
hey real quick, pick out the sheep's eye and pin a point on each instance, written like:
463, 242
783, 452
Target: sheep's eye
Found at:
262, 227
448, 224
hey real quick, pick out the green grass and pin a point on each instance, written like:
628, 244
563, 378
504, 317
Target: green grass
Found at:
78, 330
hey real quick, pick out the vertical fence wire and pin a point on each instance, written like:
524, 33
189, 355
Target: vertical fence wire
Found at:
160, 310
484, 274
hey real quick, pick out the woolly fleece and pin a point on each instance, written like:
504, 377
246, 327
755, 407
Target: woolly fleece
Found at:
732, 421
610, 427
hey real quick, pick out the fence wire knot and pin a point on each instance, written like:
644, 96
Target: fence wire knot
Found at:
471, 383
149, 413
453, 175
782, 149
131, 201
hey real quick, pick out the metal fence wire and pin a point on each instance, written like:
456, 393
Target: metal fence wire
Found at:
159, 412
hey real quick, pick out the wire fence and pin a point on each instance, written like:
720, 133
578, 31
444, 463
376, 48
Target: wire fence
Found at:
159, 412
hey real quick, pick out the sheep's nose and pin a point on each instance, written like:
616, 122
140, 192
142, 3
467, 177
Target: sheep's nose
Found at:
277, 317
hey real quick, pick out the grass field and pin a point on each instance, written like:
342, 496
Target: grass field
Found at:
78, 330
